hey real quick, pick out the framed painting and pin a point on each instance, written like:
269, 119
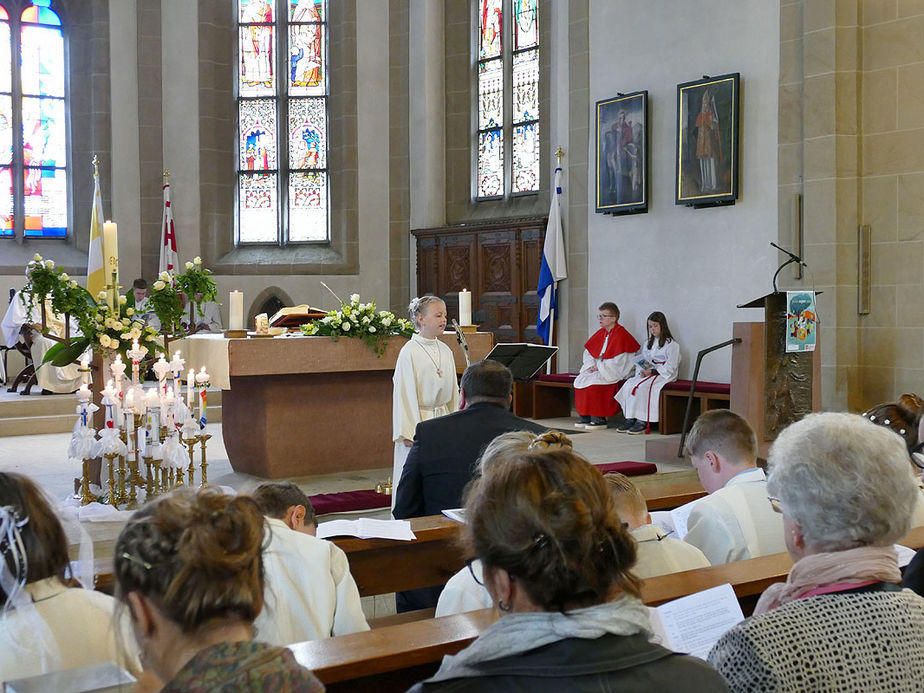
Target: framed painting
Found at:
707, 141
622, 154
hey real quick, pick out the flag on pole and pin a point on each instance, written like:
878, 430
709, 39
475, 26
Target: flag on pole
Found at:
169, 260
96, 275
552, 270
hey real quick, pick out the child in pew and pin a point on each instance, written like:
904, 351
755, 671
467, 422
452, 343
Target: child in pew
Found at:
425, 383
639, 395
309, 592
189, 568
658, 553
465, 590
46, 625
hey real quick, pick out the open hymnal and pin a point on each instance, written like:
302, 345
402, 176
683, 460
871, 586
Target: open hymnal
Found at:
366, 528
457, 514
674, 522
693, 624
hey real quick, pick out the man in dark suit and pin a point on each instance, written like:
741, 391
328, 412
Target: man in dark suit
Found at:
446, 450
442, 460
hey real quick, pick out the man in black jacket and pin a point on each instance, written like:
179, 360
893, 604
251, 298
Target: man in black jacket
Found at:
446, 449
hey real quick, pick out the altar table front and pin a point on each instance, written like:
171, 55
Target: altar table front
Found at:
295, 405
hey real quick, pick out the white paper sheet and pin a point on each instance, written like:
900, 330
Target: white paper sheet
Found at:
367, 528
694, 623
674, 520
457, 514
904, 555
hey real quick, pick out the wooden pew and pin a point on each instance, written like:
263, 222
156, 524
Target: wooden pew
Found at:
381, 566
394, 657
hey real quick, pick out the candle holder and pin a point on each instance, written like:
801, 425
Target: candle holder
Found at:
179, 476
191, 445
150, 489
236, 334
202, 438
85, 497
133, 485
121, 496
158, 478
468, 329
110, 458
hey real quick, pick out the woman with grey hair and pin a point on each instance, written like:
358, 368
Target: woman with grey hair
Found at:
842, 486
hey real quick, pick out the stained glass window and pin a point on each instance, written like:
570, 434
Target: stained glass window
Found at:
508, 98
283, 190
33, 128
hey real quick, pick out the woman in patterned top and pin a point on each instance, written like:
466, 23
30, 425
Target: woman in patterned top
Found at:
190, 568
841, 621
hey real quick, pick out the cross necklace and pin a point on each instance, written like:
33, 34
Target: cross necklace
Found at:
439, 370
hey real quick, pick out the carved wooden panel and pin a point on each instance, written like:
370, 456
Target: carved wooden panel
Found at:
787, 376
498, 262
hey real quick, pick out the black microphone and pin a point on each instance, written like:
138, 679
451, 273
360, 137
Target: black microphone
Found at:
792, 256
461, 337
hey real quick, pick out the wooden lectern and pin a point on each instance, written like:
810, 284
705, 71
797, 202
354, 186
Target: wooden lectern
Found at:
770, 387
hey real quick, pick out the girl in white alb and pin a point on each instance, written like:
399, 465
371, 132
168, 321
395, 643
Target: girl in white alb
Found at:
425, 384
639, 395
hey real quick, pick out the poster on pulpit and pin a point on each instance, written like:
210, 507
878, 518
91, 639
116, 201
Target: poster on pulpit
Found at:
801, 321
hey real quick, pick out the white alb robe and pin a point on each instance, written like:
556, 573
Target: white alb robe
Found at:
52, 378
462, 593
608, 371
660, 554
639, 395
420, 393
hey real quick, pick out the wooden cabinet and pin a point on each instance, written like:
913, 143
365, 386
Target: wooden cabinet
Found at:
498, 262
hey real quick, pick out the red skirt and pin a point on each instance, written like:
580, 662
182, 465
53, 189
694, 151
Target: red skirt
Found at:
597, 400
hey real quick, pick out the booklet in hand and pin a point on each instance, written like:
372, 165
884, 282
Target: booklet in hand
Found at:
693, 624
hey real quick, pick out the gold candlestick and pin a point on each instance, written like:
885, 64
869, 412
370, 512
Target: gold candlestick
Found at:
132, 485
113, 499
150, 489
191, 445
85, 497
121, 496
179, 476
202, 440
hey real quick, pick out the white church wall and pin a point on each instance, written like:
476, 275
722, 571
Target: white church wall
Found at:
694, 265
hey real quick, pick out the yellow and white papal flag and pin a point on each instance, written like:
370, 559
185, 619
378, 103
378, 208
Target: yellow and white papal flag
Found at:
96, 275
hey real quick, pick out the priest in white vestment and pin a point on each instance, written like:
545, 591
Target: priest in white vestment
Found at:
51, 378
425, 383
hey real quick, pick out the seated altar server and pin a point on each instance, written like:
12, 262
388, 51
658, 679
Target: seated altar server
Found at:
658, 553
735, 521
425, 383
206, 316
309, 591
22, 322
639, 395
45, 625
607, 360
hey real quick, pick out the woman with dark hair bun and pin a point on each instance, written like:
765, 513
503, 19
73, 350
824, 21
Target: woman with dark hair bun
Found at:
189, 567
557, 563
45, 624
658, 365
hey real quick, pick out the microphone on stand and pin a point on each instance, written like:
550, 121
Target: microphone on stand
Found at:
461, 337
792, 256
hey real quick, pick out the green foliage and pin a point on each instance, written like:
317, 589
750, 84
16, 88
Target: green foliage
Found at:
360, 321
196, 283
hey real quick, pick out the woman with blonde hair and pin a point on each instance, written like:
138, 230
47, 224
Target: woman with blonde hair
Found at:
558, 566
189, 566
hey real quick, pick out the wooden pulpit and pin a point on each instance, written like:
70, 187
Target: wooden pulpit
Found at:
771, 387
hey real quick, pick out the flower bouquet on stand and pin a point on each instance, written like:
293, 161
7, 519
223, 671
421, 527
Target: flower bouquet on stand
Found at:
361, 321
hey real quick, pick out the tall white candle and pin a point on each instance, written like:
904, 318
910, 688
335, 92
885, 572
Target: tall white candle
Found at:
111, 263
202, 380
236, 311
190, 388
85, 368
465, 307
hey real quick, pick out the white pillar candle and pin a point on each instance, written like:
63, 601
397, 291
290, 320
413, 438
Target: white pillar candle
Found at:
202, 380
111, 260
236, 311
465, 307
85, 368
190, 388
118, 370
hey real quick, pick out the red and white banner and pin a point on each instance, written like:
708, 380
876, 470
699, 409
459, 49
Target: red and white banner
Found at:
169, 259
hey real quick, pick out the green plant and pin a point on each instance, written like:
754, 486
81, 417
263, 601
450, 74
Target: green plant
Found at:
360, 321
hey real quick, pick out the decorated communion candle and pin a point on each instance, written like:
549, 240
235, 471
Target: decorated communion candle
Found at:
152, 433
465, 307
190, 387
83, 397
160, 370
118, 372
202, 380
136, 353
236, 311
109, 402
176, 365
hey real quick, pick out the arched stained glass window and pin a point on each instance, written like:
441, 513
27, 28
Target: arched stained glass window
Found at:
283, 183
507, 67
33, 123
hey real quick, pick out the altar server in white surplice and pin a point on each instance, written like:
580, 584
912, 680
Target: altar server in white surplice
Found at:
310, 593
51, 378
425, 384
639, 395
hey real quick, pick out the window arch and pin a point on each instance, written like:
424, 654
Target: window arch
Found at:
33, 122
507, 78
283, 191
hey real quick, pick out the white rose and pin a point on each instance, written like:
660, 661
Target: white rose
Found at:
64, 276
129, 311
197, 260
345, 327
104, 340
159, 285
372, 329
189, 265
164, 276
386, 322
123, 300
101, 296
37, 258
72, 283
124, 321
135, 333
125, 336
50, 264
366, 320
354, 298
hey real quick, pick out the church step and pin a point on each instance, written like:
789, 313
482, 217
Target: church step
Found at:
60, 423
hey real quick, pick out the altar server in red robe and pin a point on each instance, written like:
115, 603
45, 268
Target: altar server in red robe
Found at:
607, 361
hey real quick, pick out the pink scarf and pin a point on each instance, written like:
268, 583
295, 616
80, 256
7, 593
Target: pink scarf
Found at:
862, 565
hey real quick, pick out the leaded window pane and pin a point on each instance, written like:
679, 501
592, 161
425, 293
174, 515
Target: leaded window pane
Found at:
526, 86
6, 201
258, 208
307, 133
255, 11
6, 62
490, 163
43, 132
42, 61
308, 206
526, 157
526, 24
45, 202
6, 129
490, 94
307, 70
256, 52
490, 26
257, 119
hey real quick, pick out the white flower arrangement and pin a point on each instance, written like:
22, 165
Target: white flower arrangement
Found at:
362, 321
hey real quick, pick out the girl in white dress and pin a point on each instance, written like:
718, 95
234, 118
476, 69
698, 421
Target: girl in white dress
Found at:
425, 384
639, 395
